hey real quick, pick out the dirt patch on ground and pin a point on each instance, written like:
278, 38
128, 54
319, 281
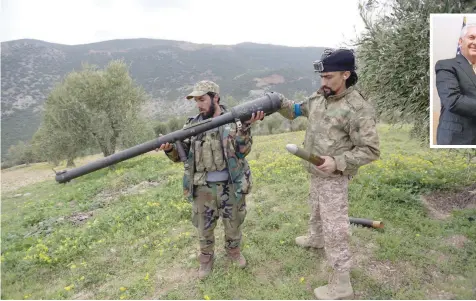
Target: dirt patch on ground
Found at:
391, 274
268, 272
438, 255
83, 296
173, 278
440, 204
361, 252
46, 227
79, 217
456, 241
394, 275
22, 175
435, 293
17, 178
106, 197
141, 187
398, 275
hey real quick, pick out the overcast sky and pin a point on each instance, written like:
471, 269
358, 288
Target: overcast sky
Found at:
283, 22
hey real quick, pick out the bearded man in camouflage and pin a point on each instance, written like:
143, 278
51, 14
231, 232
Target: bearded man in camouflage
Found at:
342, 130
216, 175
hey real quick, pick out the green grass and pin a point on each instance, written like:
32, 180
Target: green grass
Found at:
138, 241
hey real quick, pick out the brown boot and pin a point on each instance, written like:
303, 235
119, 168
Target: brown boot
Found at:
338, 288
307, 242
206, 265
236, 256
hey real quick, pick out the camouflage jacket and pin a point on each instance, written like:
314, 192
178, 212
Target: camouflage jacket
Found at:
236, 144
342, 127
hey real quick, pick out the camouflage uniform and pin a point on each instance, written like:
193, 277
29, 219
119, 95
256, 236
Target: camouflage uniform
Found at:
222, 149
343, 127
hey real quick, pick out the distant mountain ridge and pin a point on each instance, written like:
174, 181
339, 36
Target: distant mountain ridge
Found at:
166, 69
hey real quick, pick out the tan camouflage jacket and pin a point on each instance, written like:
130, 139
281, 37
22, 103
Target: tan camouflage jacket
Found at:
342, 127
237, 145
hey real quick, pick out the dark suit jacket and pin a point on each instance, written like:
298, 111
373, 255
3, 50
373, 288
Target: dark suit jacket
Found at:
456, 85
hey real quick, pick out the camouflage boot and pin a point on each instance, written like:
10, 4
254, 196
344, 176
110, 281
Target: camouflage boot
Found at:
307, 242
338, 288
236, 256
206, 265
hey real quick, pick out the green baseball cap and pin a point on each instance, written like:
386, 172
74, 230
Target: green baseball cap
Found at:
203, 87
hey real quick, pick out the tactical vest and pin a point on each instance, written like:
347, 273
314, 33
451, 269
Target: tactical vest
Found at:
208, 152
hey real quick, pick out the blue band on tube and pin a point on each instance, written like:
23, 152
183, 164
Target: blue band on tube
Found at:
297, 110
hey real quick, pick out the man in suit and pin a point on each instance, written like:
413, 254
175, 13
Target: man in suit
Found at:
456, 85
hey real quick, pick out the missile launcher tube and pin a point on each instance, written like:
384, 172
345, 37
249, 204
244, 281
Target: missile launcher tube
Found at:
269, 104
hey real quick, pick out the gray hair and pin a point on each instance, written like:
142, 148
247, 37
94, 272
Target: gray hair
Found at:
464, 30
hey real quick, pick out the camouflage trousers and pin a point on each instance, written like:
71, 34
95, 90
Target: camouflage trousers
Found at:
211, 202
330, 219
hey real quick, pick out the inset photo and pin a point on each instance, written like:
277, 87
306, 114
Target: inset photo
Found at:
453, 81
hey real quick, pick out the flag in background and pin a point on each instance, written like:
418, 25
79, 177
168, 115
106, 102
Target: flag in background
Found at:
458, 49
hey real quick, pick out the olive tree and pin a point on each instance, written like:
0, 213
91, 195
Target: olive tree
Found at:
393, 57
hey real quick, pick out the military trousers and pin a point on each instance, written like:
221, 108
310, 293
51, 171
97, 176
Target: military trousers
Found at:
329, 219
210, 202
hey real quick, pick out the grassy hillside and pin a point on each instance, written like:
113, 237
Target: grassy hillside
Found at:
126, 233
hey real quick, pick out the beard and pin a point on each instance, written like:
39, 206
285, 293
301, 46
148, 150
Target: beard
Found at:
327, 91
209, 113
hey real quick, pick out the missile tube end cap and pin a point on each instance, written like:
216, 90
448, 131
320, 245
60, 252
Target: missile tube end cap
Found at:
292, 148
